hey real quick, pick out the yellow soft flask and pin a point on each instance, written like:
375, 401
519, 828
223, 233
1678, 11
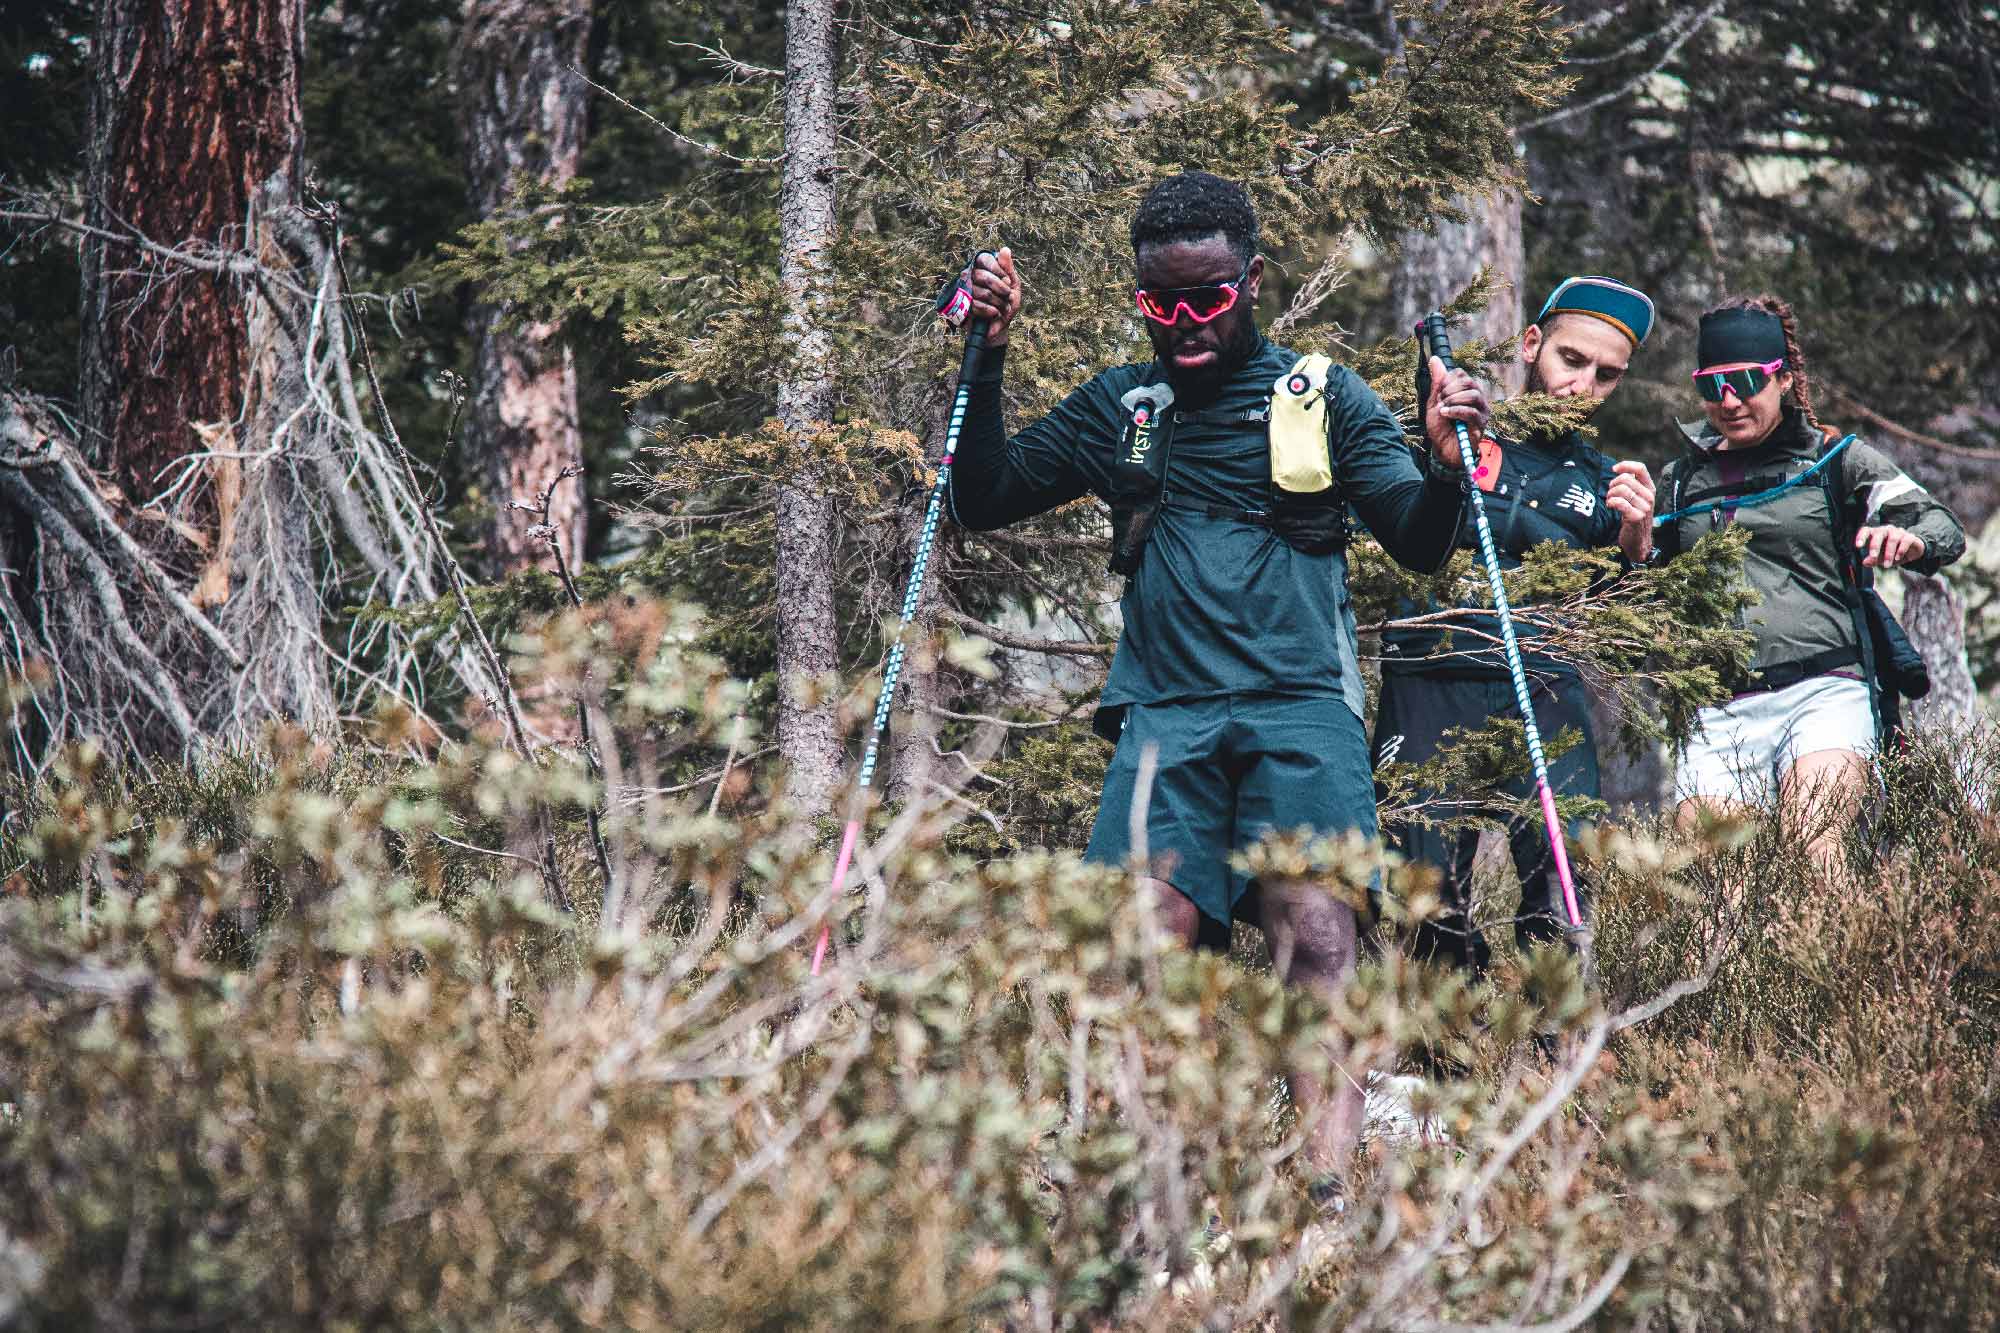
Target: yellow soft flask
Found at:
1300, 461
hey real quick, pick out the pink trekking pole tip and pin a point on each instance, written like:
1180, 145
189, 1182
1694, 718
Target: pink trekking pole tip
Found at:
1561, 851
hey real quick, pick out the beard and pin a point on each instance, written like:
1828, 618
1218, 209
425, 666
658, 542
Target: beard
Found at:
1536, 384
1234, 351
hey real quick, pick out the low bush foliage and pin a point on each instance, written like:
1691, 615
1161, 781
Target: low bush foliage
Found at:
295, 1040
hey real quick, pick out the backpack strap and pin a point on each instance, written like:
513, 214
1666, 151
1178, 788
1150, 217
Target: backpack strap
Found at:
1228, 417
1857, 579
1675, 475
1139, 472
1748, 493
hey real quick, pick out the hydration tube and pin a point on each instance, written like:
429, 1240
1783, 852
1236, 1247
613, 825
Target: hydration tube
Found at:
1757, 498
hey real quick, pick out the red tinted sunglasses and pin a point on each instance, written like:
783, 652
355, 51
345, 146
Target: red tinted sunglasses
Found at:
1201, 303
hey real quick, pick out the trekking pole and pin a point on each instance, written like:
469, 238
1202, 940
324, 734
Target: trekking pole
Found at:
952, 305
1431, 335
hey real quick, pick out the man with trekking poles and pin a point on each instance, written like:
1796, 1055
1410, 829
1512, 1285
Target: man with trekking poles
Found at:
1448, 668
1231, 466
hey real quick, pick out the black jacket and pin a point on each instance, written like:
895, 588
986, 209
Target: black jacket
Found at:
1547, 489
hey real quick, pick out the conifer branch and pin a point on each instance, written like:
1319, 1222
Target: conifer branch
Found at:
675, 134
1687, 27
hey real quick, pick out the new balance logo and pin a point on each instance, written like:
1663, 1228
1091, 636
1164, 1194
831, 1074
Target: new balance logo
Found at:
1578, 500
1390, 749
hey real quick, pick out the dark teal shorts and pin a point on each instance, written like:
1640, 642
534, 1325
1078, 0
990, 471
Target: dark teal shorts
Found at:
1230, 771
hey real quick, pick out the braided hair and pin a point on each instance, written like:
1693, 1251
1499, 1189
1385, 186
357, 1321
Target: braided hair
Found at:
1795, 357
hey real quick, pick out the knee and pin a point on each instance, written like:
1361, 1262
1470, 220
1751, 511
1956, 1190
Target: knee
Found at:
1173, 912
1315, 930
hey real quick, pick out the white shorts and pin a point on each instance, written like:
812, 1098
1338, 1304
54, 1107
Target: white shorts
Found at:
1746, 746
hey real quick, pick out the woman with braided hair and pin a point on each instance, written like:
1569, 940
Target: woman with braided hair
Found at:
1823, 512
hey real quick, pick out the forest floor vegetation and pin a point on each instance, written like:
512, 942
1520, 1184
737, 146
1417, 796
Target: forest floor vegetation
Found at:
296, 1039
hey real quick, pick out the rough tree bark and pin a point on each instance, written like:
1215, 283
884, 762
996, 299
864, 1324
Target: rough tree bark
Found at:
195, 143
194, 105
523, 116
1934, 617
808, 634
1435, 267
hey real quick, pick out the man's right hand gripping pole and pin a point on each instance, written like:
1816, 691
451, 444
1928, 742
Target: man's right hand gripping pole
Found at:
996, 292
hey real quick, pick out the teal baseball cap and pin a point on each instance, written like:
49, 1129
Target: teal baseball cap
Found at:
1624, 308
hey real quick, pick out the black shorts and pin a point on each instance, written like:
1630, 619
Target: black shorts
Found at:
1410, 721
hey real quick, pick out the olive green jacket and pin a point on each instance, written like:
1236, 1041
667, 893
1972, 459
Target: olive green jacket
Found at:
1792, 563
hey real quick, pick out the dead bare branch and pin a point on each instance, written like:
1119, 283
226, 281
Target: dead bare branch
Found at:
1001, 637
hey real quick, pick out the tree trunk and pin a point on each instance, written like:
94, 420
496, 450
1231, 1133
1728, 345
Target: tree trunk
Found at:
1934, 617
195, 145
523, 118
1933, 612
1435, 267
808, 634
1631, 784
194, 106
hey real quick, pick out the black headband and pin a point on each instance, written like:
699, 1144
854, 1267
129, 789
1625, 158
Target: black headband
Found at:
1734, 337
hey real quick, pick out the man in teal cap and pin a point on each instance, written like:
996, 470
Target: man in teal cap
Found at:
1437, 676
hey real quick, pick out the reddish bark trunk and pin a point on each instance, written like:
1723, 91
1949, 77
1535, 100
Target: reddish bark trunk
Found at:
194, 108
196, 136
524, 120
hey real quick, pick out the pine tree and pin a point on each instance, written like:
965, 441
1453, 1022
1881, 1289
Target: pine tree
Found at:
195, 142
523, 117
804, 551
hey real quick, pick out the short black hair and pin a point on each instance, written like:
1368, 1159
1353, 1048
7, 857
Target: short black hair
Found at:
1192, 207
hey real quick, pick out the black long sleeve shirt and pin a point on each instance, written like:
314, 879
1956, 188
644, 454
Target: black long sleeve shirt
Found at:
1217, 606
1543, 489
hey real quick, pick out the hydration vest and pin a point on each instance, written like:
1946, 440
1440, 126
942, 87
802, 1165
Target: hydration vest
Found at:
1306, 510
1890, 664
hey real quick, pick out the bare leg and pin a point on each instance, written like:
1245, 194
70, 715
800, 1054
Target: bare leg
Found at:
1688, 817
1826, 789
1173, 912
1689, 814
1313, 939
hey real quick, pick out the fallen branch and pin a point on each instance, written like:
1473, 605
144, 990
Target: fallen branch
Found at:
151, 680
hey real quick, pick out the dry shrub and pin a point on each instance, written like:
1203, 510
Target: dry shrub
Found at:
278, 1055
1846, 1048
